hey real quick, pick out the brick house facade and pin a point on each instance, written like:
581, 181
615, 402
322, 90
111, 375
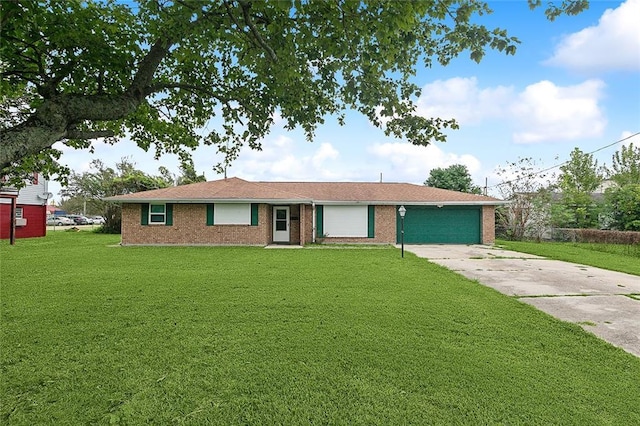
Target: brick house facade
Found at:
237, 212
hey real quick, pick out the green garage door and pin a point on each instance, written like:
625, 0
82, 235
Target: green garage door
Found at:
445, 225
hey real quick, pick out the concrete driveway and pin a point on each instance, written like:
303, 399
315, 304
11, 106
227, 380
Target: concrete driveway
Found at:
606, 303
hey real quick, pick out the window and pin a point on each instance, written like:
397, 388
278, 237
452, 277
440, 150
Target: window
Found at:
346, 221
157, 214
232, 214
19, 213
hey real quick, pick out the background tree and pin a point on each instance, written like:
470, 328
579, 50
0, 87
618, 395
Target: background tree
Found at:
188, 174
625, 167
526, 187
455, 177
623, 207
158, 71
104, 181
579, 179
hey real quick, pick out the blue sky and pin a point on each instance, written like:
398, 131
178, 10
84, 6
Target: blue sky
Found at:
574, 82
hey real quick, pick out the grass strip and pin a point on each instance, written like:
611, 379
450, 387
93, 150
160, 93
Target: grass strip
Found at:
614, 257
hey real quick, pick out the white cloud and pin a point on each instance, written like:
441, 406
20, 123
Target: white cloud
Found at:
545, 112
613, 44
412, 163
462, 99
283, 158
326, 152
633, 138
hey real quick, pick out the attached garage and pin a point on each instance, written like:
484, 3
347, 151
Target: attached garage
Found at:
441, 225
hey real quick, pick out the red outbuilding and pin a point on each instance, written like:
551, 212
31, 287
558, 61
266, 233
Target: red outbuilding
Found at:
27, 208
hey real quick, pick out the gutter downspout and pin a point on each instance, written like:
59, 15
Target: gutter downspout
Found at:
313, 221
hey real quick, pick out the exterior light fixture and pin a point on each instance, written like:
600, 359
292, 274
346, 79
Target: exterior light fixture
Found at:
402, 211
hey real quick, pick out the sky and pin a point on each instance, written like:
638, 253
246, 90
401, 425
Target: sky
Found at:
574, 82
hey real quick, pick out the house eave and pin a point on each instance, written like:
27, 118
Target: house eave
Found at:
412, 203
207, 200
273, 201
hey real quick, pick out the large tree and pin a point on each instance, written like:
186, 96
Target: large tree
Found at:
623, 207
159, 70
579, 179
102, 181
527, 188
455, 177
625, 168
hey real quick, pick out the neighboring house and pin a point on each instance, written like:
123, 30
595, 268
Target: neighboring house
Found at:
30, 209
238, 212
55, 211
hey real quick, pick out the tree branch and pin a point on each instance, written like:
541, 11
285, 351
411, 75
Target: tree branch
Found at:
50, 86
245, 6
79, 134
148, 67
158, 87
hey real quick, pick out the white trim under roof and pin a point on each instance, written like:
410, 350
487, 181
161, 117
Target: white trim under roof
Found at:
309, 201
210, 200
413, 203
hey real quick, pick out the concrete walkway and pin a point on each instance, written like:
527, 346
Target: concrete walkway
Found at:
603, 302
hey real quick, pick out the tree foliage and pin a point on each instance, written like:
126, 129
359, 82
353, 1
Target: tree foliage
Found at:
104, 181
159, 71
525, 186
625, 168
579, 179
188, 174
624, 207
455, 177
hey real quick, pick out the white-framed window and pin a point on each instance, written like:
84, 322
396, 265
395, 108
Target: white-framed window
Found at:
157, 214
232, 214
346, 221
19, 212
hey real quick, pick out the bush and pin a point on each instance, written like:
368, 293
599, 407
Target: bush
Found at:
596, 236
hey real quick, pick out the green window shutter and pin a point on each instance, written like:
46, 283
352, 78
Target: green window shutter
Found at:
254, 214
371, 232
144, 214
169, 212
209, 214
319, 215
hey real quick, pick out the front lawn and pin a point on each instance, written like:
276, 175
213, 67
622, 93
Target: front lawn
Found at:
615, 257
93, 333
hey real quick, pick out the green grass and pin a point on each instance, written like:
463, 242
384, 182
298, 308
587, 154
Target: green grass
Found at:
94, 334
615, 257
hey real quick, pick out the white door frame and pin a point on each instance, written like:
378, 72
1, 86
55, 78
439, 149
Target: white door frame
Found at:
281, 236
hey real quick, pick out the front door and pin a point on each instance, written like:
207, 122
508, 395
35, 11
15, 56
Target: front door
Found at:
280, 224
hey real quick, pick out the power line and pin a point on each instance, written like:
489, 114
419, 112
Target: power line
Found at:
562, 164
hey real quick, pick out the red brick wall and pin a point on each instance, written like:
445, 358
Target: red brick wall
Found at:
384, 231
294, 220
488, 224
385, 227
308, 223
190, 227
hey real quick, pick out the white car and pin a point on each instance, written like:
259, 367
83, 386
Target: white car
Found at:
97, 220
59, 221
